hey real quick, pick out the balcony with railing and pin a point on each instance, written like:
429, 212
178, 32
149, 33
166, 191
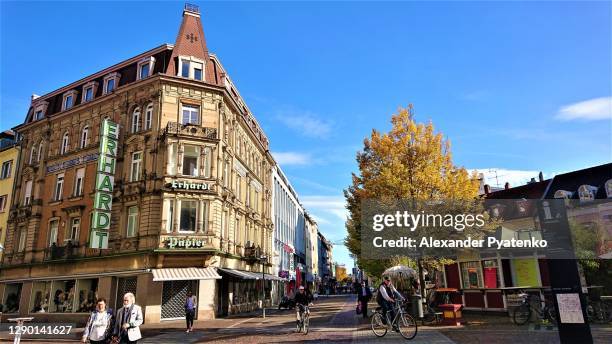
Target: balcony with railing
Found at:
190, 130
66, 252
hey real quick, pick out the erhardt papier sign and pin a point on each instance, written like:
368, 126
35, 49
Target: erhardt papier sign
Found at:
186, 185
105, 179
173, 242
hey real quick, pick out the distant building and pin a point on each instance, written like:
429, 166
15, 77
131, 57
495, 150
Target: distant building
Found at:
9, 159
287, 215
312, 252
482, 276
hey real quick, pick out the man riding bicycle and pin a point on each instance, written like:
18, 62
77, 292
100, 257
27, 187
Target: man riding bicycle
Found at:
301, 302
385, 298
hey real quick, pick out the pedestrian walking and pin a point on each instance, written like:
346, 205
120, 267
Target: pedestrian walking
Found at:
364, 296
128, 321
190, 307
99, 325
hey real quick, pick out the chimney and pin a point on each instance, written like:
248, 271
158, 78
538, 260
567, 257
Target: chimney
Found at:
191, 9
532, 180
507, 186
487, 189
541, 176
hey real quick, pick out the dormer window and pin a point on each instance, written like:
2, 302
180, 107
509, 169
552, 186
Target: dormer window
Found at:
563, 194
144, 70
191, 68
609, 188
40, 107
110, 82
586, 192
89, 91
68, 100
145, 67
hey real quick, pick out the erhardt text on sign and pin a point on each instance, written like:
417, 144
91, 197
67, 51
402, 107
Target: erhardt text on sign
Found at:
105, 180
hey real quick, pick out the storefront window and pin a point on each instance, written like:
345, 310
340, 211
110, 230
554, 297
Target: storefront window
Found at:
87, 295
63, 297
41, 292
190, 160
188, 215
12, 295
471, 275
491, 276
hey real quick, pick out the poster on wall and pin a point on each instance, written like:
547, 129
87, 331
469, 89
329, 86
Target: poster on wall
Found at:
526, 272
490, 277
570, 310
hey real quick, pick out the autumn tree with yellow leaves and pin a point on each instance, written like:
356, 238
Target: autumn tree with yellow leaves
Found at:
411, 161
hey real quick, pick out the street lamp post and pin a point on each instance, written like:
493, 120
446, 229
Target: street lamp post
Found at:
263, 259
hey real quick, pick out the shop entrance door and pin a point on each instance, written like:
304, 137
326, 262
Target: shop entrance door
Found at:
174, 294
222, 297
125, 285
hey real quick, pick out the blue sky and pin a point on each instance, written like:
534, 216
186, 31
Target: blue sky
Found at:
518, 87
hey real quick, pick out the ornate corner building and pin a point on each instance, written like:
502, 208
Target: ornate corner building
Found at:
191, 191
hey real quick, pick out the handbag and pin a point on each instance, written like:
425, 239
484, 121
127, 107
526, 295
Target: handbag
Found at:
358, 309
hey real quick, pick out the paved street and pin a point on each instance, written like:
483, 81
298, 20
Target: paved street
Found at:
333, 320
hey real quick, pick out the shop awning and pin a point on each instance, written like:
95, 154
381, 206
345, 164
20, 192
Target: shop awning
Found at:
249, 275
241, 274
183, 274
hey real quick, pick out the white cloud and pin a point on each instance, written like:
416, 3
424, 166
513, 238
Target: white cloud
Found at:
305, 123
291, 158
588, 110
334, 205
497, 177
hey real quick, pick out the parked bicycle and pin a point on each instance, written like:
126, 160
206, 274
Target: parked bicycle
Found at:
599, 311
523, 312
404, 322
303, 323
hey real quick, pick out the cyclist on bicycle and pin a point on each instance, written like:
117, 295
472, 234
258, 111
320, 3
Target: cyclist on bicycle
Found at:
385, 298
301, 302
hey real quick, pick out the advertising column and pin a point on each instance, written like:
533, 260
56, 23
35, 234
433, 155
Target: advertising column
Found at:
105, 179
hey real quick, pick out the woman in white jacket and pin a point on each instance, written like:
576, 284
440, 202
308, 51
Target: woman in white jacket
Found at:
99, 325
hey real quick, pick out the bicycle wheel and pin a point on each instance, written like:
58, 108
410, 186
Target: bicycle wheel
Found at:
306, 323
407, 326
551, 315
600, 313
378, 327
606, 311
522, 314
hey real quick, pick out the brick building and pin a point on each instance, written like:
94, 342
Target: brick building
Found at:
191, 206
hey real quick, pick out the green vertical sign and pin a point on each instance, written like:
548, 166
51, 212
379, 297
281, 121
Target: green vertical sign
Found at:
105, 180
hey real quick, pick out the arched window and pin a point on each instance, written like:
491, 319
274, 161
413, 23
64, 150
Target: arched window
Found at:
65, 142
40, 149
32, 154
148, 117
136, 120
85, 137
